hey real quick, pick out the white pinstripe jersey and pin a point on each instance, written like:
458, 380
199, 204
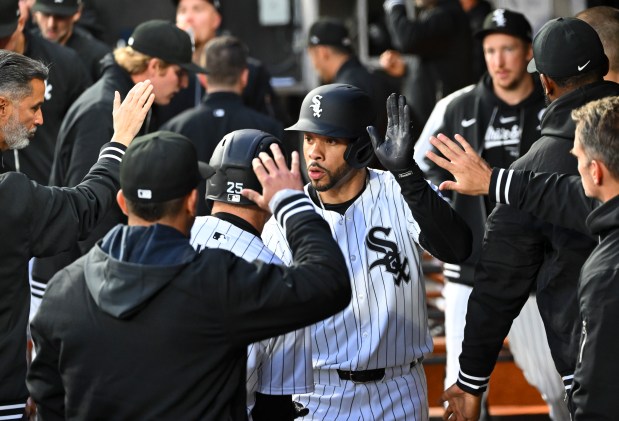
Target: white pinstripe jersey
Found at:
276, 366
386, 323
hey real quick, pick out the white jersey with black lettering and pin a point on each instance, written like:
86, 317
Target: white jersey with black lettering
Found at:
275, 366
385, 326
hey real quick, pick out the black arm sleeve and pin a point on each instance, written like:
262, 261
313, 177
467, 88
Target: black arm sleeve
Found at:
512, 253
556, 198
444, 233
268, 300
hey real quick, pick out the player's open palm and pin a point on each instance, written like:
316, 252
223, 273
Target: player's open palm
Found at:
274, 175
395, 152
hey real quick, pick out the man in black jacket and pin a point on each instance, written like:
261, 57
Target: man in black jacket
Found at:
192, 313
67, 80
222, 110
501, 118
440, 40
56, 22
42, 221
520, 251
157, 51
562, 199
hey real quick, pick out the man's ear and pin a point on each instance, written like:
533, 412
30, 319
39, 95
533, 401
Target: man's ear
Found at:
548, 84
244, 77
154, 67
6, 109
122, 203
191, 203
596, 170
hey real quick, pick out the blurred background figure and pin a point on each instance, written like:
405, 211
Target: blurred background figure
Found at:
56, 21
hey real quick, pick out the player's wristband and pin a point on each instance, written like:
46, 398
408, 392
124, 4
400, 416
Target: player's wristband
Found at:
414, 173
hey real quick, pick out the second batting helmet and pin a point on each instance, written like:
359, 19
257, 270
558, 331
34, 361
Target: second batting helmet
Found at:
232, 161
341, 111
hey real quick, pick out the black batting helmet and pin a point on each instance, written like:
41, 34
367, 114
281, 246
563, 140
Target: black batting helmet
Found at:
341, 111
232, 161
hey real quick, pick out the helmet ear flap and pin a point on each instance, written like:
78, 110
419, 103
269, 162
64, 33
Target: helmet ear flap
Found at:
359, 152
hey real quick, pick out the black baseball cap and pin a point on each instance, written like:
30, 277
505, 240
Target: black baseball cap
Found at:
9, 15
504, 21
216, 3
329, 31
57, 7
566, 47
161, 166
164, 40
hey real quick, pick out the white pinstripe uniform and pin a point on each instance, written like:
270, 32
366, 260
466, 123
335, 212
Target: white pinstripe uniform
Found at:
276, 366
385, 326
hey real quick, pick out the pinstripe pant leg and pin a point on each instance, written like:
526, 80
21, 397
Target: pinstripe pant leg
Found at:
456, 301
529, 346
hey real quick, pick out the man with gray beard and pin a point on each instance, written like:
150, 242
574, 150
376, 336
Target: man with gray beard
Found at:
39, 220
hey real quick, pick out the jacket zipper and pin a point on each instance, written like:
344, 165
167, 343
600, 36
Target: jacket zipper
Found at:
584, 340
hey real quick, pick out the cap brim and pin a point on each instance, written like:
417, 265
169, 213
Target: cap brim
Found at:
55, 10
192, 68
206, 171
7, 29
531, 66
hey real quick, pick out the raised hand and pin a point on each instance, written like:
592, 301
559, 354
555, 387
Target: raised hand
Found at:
395, 152
274, 175
129, 115
471, 172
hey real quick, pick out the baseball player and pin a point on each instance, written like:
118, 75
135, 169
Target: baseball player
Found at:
367, 358
276, 366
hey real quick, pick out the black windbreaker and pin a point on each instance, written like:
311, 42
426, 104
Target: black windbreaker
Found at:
520, 250
40, 221
560, 199
123, 339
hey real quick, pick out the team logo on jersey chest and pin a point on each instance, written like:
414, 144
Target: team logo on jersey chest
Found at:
391, 259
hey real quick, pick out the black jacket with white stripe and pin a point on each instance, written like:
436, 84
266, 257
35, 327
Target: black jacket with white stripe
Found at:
41, 221
560, 199
520, 251
145, 327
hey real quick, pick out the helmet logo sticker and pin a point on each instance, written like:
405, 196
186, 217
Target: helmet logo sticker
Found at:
316, 105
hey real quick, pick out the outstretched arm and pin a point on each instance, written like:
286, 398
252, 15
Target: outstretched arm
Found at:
555, 198
443, 232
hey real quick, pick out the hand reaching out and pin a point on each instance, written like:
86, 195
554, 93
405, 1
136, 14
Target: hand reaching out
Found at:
274, 175
129, 115
471, 172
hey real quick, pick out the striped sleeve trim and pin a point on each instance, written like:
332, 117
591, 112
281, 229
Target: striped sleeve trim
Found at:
451, 270
390, 4
567, 382
113, 150
12, 411
501, 180
475, 385
37, 289
291, 206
